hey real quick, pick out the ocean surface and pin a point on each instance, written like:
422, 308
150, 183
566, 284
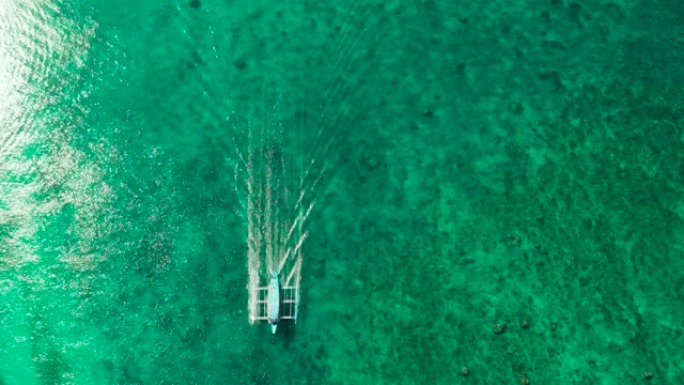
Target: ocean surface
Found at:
464, 192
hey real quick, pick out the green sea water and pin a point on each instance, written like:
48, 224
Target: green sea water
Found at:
496, 190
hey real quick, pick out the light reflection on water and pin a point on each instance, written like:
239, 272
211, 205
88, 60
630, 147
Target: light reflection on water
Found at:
39, 48
41, 176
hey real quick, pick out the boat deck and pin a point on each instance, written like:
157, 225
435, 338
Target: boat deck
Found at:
288, 306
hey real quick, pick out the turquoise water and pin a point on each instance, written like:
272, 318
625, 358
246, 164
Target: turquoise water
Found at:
466, 165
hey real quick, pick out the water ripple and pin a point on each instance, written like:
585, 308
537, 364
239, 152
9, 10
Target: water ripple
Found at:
41, 53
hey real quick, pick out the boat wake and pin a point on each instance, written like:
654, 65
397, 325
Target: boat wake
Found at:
278, 187
283, 154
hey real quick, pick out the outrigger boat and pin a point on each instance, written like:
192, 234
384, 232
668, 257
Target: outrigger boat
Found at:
276, 303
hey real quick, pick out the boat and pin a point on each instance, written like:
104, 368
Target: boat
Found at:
273, 302
276, 303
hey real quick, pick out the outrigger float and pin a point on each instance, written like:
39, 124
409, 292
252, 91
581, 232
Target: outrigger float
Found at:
276, 303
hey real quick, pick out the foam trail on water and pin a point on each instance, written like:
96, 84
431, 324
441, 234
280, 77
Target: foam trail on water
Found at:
253, 240
279, 191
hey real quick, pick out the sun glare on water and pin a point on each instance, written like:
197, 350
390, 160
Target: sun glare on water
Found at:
12, 75
41, 53
36, 43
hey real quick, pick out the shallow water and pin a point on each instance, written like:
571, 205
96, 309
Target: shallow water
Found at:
466, 165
